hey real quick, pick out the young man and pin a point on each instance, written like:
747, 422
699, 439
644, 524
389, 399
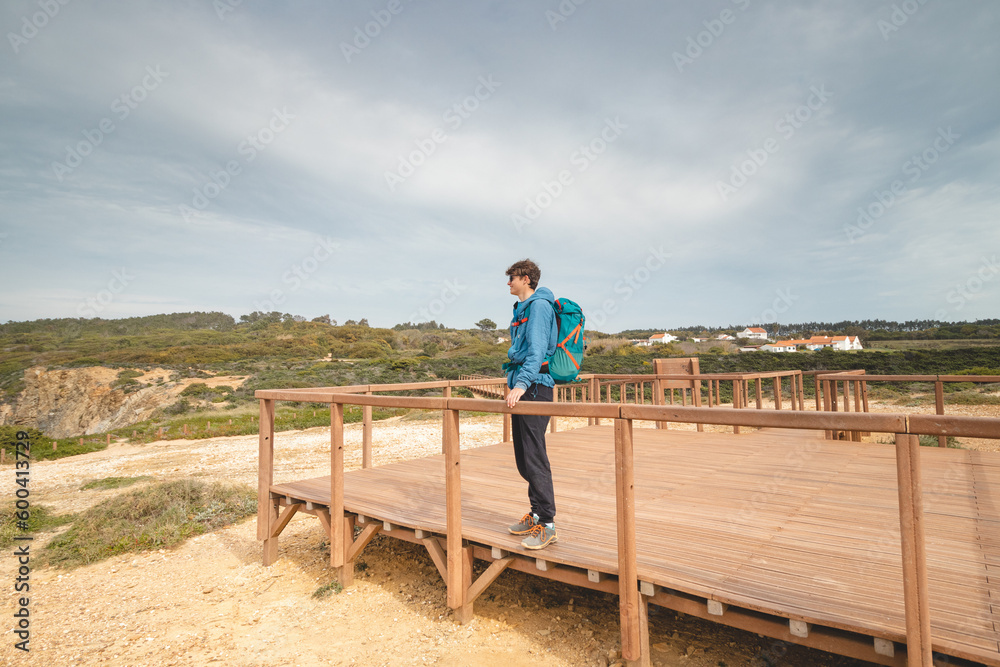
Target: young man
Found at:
533, 337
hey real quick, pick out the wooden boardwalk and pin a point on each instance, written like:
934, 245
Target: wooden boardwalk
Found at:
780, 532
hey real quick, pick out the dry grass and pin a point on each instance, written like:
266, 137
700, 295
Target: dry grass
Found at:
153, 517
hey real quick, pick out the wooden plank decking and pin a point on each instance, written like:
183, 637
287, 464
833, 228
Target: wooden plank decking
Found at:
782, 522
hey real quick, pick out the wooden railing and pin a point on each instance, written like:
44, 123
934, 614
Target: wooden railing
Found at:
834, 391
633, 604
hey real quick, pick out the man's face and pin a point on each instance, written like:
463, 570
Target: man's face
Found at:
518, 285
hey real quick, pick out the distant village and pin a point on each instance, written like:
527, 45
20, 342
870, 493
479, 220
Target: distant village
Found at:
768, 345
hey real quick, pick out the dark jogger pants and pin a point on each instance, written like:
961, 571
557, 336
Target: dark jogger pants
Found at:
531, 457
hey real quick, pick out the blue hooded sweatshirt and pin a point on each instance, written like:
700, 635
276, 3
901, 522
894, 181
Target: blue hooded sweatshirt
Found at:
533, 340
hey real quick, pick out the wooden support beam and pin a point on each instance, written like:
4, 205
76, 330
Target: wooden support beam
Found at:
453, 509
324, 519
911, 522
437, 555
487, 578
464, 613
644, 659
345, 573
266, 511
362, 541
628, 579
284, 518
338, 547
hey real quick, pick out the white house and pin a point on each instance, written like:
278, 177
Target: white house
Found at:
657, 339
699, 340
753, 332
819, 342
725, 337
781, 346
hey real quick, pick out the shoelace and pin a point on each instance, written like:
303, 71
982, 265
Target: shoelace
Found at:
537, 531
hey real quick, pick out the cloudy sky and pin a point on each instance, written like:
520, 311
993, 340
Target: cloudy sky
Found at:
666, 164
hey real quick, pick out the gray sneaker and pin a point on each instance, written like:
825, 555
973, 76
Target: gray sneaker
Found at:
540, 537
528, 521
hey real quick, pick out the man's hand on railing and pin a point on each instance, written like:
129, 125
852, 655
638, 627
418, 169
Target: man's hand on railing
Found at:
514, 396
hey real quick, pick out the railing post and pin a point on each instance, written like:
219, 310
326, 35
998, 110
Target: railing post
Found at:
759, 392
737, 400
595, 395
696, 396
338, 542
267, 510
802, 391
939, 409
911, 523
628, 576
506, 417
658, 398
776, 384
459, 561
366, 435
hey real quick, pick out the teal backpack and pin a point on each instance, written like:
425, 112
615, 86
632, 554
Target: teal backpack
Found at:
564, 364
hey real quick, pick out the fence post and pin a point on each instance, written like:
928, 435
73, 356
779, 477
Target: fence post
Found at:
267, 513
459, 565
939, 409
338, 541
628, 576
366, 434
911, 523
506, 417
658, 398
737, 400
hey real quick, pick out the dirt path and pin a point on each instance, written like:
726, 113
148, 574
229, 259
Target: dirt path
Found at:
210, 601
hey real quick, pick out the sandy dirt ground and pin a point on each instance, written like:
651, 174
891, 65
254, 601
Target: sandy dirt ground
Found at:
211, 602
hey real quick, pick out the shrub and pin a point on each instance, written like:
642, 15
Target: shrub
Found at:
153, 517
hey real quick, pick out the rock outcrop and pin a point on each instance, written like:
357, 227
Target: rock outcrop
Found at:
82, 401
